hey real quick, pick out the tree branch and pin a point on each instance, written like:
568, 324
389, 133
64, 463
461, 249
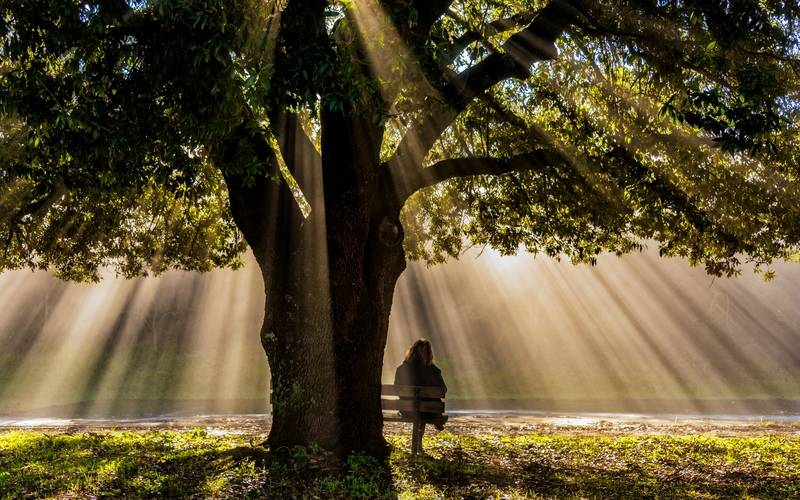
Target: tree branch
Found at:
427, 12
536, 42
466, 167
491, 29
262, 204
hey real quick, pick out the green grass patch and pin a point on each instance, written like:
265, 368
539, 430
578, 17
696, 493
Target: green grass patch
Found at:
196, 464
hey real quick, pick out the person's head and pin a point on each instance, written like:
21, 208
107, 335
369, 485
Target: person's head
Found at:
420, 352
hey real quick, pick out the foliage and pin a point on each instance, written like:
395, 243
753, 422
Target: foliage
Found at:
675, 121
194, 463
101, 166
681, 124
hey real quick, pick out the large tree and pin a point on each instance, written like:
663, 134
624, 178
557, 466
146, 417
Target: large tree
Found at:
339, 138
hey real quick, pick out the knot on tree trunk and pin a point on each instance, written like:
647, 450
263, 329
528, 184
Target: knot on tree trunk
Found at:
390, 231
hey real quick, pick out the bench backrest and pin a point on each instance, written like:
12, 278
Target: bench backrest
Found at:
411, 398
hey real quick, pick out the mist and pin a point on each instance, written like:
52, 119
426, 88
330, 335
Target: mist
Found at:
632, 334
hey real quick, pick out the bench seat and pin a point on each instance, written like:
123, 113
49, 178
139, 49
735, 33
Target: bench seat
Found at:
419, 405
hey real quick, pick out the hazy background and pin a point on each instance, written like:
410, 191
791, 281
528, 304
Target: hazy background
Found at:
637, 333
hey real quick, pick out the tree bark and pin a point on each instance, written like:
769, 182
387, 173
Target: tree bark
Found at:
324, 333
329, 281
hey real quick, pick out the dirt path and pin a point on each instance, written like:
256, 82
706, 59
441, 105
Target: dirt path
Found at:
462, 424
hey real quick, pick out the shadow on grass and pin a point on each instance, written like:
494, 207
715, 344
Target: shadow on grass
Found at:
107, 465
178, 465
195, 464
450, 475
636, 483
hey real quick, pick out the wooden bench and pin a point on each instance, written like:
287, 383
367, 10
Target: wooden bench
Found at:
413, 406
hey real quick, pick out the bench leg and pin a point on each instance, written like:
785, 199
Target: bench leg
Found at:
416, 437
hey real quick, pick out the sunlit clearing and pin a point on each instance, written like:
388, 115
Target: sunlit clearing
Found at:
633, 334
637, 334
127, 348
222, 317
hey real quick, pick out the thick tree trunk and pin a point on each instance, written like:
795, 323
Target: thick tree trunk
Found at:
326, 366
329, 281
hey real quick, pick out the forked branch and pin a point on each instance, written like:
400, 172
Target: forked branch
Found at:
536, 42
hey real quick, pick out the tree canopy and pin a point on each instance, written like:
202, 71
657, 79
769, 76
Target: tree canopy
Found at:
675, 121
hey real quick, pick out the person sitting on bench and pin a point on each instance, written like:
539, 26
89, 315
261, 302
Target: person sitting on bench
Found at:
418, 369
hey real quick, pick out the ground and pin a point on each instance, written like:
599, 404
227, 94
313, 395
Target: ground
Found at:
477, 456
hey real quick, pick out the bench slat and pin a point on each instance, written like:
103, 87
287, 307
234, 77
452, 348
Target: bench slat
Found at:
409, 406
394, 417
408, 391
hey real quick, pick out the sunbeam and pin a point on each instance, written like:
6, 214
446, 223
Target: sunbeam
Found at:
636, 333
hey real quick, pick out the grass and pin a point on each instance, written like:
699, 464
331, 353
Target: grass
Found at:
196, 464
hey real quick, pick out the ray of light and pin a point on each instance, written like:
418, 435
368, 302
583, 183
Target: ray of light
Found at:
501, 330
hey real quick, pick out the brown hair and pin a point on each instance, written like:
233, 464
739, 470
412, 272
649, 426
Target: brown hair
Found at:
420, 352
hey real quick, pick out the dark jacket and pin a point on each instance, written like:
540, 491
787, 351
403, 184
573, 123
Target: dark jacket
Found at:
420, 374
